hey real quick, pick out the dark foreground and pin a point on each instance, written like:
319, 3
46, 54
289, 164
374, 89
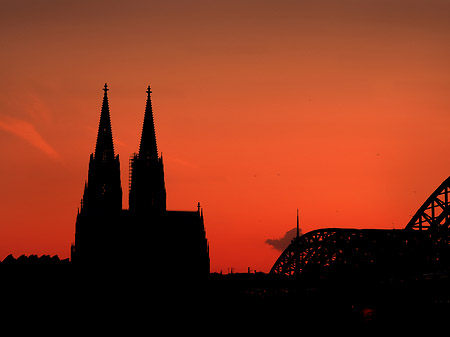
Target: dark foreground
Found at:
68, 300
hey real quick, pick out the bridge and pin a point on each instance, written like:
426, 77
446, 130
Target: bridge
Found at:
421, 247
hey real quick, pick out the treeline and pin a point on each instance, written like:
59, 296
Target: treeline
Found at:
34, 260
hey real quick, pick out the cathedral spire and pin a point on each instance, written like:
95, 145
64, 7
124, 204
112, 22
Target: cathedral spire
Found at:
148, 148
147, 187
104, 148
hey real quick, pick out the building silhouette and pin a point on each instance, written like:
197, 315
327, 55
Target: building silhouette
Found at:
342, 276
147, 234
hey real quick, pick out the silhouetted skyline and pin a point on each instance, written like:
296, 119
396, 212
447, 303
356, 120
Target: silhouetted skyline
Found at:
106, 234
340, 109
337, 108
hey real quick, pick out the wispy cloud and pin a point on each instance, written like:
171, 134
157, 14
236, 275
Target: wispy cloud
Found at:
27, 131
180, 162
36, 107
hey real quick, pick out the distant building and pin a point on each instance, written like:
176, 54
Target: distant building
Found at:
146, 235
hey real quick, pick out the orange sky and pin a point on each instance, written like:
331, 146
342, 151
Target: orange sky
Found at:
338, 108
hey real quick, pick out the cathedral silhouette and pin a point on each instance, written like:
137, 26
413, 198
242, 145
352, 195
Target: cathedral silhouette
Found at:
146, 234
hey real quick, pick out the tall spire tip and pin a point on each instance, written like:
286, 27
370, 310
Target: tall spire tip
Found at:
105, 88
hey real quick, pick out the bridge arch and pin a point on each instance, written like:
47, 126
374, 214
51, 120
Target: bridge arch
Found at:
435, 212
422, 244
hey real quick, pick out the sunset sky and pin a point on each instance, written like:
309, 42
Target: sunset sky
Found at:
338, 108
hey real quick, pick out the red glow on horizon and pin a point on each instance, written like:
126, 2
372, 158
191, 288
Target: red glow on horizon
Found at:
260, 108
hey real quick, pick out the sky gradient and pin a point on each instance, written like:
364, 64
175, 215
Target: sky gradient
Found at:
338, 108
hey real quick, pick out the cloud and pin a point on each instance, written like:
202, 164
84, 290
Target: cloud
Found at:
180, 162
36, 108
26, 131
282, 243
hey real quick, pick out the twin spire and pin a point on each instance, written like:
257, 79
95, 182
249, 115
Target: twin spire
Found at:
148, 148
104, 148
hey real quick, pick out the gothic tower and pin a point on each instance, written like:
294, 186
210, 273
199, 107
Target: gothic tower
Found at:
107, 235
102, 198
147, 187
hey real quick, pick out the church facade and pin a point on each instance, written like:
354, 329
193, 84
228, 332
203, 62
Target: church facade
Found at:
146, 234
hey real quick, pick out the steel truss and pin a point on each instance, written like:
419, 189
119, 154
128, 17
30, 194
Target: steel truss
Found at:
422, 244
434, 213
